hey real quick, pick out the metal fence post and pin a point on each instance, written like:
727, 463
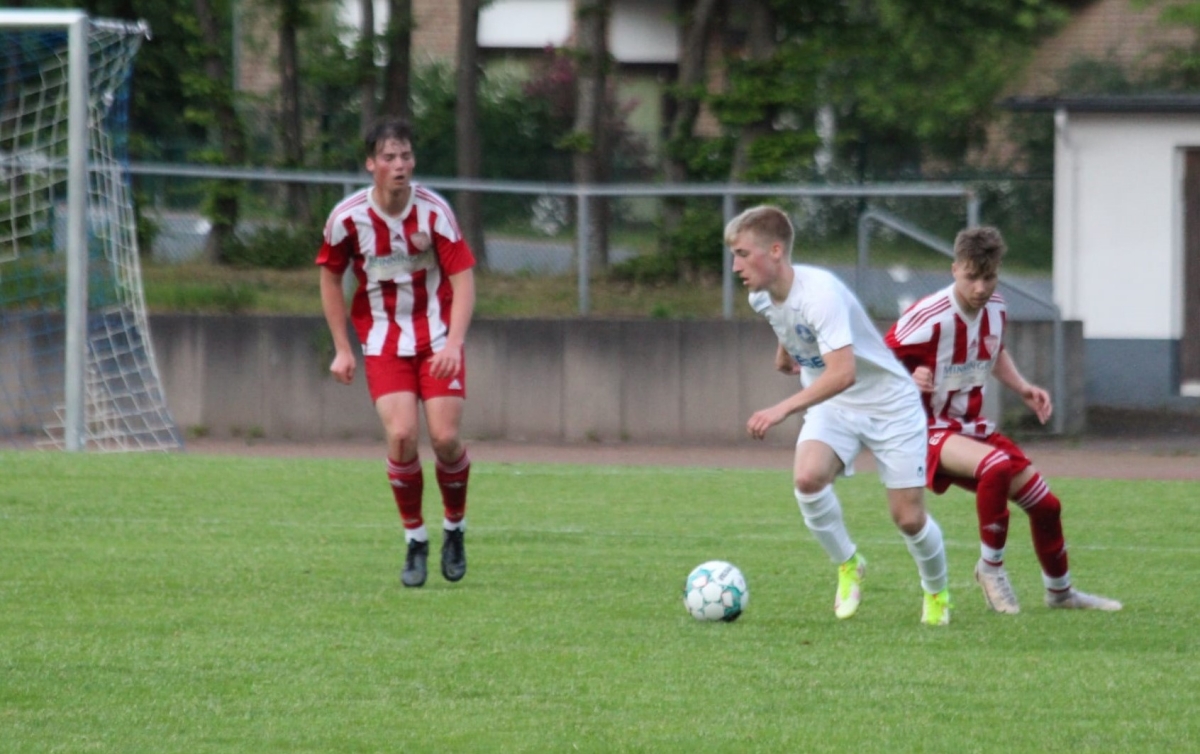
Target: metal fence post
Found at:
728, 209
582, 221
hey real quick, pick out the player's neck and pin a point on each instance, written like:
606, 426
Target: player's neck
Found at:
391, 202
782, 287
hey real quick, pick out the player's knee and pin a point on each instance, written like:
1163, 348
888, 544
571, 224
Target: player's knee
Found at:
810, 483
997, 466
445, 443
402, 435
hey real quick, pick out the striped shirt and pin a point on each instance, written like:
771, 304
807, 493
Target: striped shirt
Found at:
403, 266
959, 349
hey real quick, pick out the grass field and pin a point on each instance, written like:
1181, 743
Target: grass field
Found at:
182, 603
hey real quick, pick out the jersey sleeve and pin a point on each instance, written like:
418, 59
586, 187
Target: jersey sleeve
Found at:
454, 254
829, 314
336, 248
914, 346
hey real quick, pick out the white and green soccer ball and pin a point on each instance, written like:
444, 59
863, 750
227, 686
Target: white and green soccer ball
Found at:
716, 590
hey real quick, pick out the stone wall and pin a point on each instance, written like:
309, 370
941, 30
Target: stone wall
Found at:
549, 380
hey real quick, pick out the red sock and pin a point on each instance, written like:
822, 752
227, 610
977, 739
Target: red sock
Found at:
1045, 523
407, 485
994, 475
452, 479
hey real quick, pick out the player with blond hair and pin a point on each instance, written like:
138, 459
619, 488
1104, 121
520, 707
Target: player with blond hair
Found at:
853, 394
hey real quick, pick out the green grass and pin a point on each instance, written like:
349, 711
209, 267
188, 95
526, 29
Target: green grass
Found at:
208, 604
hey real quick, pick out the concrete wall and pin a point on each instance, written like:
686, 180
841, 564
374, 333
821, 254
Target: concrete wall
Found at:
549, 380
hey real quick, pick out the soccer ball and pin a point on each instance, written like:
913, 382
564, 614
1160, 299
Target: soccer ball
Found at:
716, 590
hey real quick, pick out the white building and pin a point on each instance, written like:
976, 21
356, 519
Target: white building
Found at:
1127, 242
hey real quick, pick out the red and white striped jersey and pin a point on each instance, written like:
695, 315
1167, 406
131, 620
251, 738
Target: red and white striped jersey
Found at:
403, 266
959, 349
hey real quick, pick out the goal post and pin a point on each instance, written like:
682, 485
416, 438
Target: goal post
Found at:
77, 369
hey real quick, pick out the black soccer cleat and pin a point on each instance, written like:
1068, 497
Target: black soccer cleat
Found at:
414, 564
454, 555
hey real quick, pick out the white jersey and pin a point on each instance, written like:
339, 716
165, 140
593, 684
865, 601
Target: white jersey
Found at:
959, 349
821, 315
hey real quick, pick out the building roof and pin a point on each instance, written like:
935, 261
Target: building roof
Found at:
1105, 103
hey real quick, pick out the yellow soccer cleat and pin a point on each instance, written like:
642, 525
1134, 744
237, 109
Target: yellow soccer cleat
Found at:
936, 611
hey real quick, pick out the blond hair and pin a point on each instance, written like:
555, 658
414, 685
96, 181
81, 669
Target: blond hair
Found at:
768, 223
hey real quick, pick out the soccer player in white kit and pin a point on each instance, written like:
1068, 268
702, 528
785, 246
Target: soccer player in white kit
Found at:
854, 394
951, 341
411, 311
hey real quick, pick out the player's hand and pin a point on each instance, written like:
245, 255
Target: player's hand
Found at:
786, 364
1038, 401
343, 367
446, 363
923, 376
763, 420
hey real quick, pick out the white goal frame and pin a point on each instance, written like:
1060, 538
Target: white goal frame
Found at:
77, 25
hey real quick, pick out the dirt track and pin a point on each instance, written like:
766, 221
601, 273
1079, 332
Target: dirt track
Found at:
1148, 457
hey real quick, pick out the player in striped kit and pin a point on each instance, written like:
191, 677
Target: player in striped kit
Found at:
950, 342
853, 394
411, 310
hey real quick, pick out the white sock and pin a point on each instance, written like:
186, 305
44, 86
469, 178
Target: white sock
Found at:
992, 558
418, 534
448, 525
1060, 584
823, 516
928, 550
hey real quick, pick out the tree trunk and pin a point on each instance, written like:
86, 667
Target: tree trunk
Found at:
399, 59
291, 129
466, 129
367, 76
231, 137
590, 141
685, 102
760, 41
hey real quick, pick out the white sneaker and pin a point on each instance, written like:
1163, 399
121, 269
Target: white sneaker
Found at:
997, 589
1073, 599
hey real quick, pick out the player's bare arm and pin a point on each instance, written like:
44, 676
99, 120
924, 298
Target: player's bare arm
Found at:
448, 362
839, 375
1036, 398
784, 361
333, 303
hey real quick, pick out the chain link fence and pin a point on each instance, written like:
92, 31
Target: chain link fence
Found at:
535, 229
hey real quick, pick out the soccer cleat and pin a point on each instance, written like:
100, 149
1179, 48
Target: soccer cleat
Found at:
849, 588
936, 611
997, 589
414, 564
1073, 599
454, 555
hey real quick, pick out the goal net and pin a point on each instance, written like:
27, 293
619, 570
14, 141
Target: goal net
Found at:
77, 370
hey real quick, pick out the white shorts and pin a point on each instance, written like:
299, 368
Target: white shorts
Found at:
896, 440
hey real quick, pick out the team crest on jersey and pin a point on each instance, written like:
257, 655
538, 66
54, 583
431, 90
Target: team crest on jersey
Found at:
805, 334
991, 343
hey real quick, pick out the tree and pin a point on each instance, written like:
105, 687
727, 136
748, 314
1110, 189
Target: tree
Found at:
685, 97
590, 140
292, 17
367, 75
397, 71
466, 126
215, 87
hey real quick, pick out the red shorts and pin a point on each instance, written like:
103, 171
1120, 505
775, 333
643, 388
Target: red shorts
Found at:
388, 373
939, 482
